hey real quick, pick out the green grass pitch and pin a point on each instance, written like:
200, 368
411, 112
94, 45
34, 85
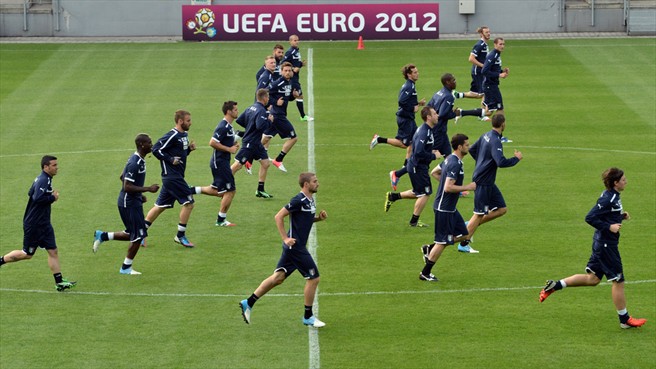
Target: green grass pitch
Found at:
574, 107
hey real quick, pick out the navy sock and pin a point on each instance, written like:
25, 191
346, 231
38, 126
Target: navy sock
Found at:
281, 156
308, 312
260, 186
252, 300
58, 277
428, 268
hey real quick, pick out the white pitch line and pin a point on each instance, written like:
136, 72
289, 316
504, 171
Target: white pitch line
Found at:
296, 295
313, 334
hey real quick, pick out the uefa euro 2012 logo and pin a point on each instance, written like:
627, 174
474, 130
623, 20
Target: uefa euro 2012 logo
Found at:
202, 23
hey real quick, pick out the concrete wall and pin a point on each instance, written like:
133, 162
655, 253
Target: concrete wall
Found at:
81, 18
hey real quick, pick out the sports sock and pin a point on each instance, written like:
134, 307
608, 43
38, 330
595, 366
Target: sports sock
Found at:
281, 156
221, 217
464, 243
560, 285
107, 236
414, 219
182, 228
394, 196
428, 268
260, 186
58, 277
2, 260
474, 112
148, 224
382, 140
301, 109
127, 264
308, 312
252, 300
623, 315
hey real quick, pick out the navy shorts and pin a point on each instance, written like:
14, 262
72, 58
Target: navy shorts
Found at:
297, 257
296, 86
487, 198
174, 189
420, 179
442, 143
406, 129
250, 152
135, 225
477, 83
605, 261
493, 100
38, 236
448, 227
224, 181
281, 126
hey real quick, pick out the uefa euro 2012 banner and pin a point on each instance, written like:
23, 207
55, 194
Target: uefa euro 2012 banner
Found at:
310, 22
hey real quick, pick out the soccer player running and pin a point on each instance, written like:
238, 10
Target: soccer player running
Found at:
488, 200
266, 77
37, 227
293, 56
302, 213
423, 153
280, 92
278, 53
606, 217
171, 150
405, 120
224, 143
492, 70
256, 120
130, 204
449, 225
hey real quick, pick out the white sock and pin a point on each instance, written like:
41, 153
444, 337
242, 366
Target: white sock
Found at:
110, 235
198, 190
127, 261
562, 282
223, 215
182, 228
622, 312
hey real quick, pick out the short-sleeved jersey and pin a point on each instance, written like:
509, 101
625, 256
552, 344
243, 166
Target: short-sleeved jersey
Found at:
451, 168
488, 153
442, 101
422, 146
293, 55
264, 81
479, 51
255, 120
225, 135
173, 144
37, 211
407, 100
280, 88
302, 210
135, 173
608, 210
492, 67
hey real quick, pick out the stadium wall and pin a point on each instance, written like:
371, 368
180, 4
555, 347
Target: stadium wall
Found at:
136, 18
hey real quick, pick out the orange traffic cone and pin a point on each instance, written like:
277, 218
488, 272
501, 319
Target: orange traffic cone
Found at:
360, 44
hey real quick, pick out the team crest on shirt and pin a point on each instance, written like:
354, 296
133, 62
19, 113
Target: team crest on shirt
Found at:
185, 142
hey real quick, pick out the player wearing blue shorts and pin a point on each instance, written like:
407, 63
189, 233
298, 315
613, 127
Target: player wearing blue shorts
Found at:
449, 225
492, 70
37, 227
423, 153
171, 150
256, 120
302, 213
606, 217
293, 56
130, 204
408, 105
488, 200
477, 59
280, 92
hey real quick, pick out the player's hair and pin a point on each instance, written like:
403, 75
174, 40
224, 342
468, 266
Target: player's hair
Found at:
180, 114
286, 64
140, 139
446, 77
269, 57
426, 112
610, 176
46, 159
496, 40
498, 120
407, 69
290, 37
481, 29
278, 47
304, 178
261, 93
458, 139
227, 106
